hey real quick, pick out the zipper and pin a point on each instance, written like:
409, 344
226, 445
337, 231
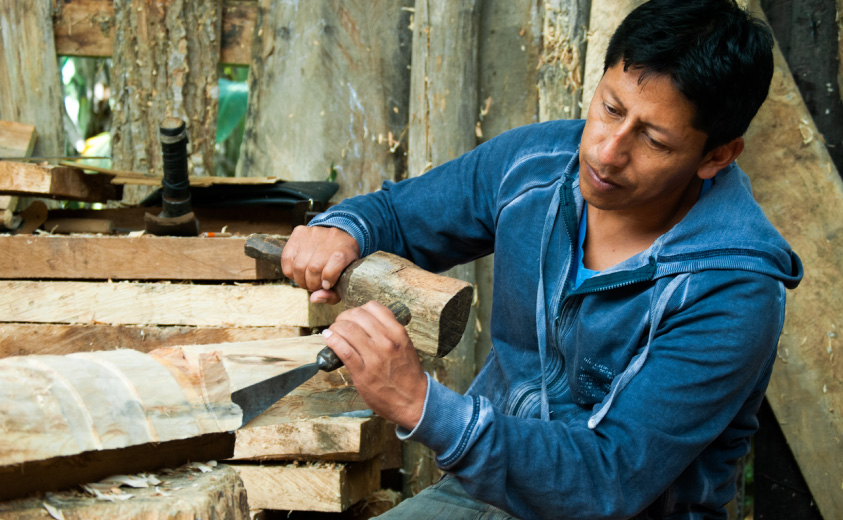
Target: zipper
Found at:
592, 285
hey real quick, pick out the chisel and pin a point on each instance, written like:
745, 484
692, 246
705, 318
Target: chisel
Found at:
257, 398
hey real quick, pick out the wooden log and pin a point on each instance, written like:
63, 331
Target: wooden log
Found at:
55, 182
86, 28
794, 180
161, 303
243, 221
24, 339
443, 104
124, 258
319, 486
186, 492
55, 408
327, 88
605, 17
165, 64
29, 77
563, 54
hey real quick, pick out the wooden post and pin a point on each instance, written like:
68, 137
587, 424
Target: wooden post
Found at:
794, 180
840, 47
443, 107
29, 72
165, 64
564, 39
510, 40
328, 88
606, 15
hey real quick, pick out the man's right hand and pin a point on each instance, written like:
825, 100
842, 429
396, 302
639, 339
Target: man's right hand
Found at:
314, 257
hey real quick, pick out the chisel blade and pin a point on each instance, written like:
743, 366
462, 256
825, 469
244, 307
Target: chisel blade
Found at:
257, 398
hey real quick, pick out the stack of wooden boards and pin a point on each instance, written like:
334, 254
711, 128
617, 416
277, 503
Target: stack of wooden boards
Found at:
316, 450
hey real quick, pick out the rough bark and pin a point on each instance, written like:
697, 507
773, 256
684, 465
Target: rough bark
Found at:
443, 108
807, 33
564, 42
29, 73
605, 17
328, 93
165, 64
796, 183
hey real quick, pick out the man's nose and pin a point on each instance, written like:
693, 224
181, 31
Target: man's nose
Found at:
614, 150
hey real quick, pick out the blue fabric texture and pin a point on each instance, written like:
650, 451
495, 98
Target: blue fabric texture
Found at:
631, 394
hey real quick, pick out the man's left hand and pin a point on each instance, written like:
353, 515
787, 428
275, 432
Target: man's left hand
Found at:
382, 361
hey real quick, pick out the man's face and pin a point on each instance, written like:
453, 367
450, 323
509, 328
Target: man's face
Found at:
639, 153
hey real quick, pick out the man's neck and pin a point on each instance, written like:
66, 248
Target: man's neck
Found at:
616, 235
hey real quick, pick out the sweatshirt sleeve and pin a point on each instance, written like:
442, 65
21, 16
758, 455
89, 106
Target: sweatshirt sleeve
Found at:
438, 220
708, 364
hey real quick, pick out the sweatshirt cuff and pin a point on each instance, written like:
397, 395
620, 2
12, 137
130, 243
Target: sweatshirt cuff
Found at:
447, 421
349, 223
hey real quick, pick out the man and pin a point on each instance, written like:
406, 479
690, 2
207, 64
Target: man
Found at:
638, 297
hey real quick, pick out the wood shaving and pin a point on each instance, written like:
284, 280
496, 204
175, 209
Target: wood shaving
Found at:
53, 511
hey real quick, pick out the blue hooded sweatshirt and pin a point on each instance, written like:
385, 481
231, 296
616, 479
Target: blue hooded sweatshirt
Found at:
632, 394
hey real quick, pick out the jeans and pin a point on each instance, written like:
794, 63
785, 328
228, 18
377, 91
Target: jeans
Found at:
445, 500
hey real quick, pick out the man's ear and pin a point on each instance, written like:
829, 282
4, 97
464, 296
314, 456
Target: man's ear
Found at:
719, 158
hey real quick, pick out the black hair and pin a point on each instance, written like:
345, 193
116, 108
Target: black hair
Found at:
719, 57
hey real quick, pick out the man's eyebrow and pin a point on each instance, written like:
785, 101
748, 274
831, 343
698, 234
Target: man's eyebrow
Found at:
615, 100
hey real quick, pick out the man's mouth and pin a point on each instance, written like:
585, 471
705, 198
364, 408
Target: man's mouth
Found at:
599, 182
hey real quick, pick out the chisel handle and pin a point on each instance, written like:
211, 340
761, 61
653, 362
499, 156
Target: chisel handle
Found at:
328, 361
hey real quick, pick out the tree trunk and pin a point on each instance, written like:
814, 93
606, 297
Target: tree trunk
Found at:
564, 42
510, 43
29, 72
443, 108
328, 89
605, 17
165, 64
795, 181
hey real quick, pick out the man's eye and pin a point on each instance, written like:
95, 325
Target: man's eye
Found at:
655, 144
612, 111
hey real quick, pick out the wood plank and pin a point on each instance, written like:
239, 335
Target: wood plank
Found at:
83, 409
166, 57
24, 339
146, 257
127, 303
806, 205
307, 126
244, 221
319, 486
137, 178
29, 75
86, 28
56, 182
185, 492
